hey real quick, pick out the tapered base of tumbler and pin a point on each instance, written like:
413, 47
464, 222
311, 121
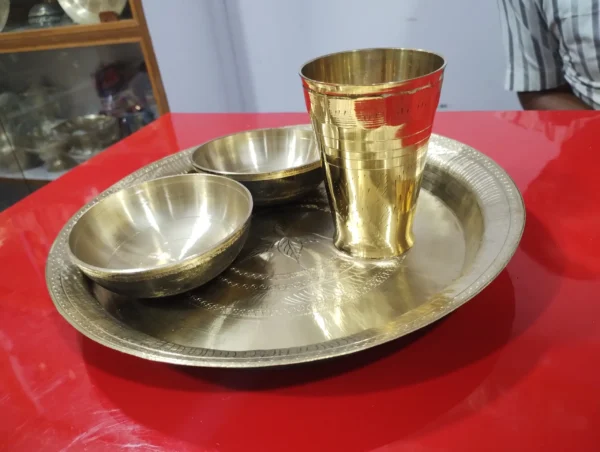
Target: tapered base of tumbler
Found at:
392, 247
373, 209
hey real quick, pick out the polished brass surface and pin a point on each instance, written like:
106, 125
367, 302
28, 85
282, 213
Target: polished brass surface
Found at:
277, 165
162, 237
372, 112
291, 296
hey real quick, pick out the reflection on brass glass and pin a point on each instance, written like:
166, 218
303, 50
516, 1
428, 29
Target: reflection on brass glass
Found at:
372, 112
290, 296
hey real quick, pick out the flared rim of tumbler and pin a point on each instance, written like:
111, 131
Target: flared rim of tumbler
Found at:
371, 49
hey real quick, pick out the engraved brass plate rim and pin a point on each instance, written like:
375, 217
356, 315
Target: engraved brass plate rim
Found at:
501, 205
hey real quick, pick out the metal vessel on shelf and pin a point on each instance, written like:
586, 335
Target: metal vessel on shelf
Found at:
164, 236
45, 14
10, 105
291, 296
89, 134
277, 164
47, 102
4, 10
88, 11
51, 147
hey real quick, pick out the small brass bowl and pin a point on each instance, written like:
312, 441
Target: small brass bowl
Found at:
162, 237
277, 165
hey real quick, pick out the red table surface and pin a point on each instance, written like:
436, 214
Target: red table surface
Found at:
516, 368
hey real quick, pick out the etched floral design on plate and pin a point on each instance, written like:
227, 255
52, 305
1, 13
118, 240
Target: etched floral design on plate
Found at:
289, 266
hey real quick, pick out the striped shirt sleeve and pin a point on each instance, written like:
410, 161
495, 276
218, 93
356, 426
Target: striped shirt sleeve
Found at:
534, 63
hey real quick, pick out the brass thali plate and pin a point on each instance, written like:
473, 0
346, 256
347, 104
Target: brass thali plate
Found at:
291, 297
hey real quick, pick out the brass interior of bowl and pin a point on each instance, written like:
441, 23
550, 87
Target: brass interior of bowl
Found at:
260, 152
160, 223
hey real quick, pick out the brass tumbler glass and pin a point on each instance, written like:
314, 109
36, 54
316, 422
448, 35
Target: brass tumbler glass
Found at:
372, 112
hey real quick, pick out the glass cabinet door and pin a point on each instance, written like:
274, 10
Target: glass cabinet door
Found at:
76, 77
14, 188
59, 108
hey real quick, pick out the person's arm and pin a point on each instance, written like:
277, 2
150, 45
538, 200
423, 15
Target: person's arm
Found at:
534, 69
561, 98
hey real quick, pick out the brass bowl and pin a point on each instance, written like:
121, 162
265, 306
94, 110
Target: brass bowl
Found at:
162, 237
45, 15
277, 165
90, 134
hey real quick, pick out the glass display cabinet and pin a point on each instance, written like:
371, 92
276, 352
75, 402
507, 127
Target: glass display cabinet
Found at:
76, 76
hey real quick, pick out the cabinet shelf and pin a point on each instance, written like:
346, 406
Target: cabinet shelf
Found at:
68, 36
39, 174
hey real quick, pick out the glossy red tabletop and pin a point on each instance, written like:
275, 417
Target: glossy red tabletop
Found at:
516, 368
